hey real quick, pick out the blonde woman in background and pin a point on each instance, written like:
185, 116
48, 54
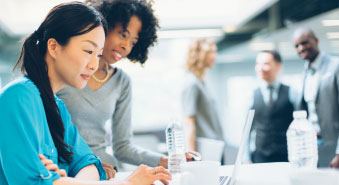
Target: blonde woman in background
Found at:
198, 107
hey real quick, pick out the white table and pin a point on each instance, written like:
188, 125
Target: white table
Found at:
271, 174
260, 174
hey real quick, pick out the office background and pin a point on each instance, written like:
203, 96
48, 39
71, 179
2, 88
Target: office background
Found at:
241, 28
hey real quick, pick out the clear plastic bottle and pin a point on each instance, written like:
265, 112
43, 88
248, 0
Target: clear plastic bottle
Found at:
302, 142
175, 146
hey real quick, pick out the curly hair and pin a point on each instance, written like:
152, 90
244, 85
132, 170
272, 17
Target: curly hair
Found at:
120, 12
196, 56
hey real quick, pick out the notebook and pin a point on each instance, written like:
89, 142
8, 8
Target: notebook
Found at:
230, 180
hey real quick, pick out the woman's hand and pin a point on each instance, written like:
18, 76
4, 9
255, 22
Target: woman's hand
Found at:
335, 162
51, 166
110, 172
190, 156
193, 156
145, 175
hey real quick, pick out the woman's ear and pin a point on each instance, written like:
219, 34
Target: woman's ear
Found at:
52, 47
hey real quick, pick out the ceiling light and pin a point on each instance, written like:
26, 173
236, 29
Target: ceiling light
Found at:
259, 46
171, 34
332, 35
229, 29
335, 43
330, 22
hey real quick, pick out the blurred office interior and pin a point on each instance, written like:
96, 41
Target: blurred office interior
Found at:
241, 28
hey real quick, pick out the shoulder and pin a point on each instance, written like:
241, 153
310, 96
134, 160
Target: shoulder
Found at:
288, 88
122, 76
59, 102
192, 88
191, 81
123, 80
284, 86
326, 56
21, 87
65, 115
256, 92
333, 60
332, 63
256, 87
21, 97
61, 105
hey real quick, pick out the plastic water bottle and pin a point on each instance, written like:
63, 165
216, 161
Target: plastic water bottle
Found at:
302, 142
175, 147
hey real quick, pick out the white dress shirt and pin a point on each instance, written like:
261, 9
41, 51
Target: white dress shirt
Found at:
311, 89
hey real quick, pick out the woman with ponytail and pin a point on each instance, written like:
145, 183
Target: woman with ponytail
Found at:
64, 50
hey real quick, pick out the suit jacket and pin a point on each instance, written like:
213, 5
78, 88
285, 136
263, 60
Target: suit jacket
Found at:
327, 107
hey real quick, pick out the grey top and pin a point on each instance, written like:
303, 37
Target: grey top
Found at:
90, 110
197, 102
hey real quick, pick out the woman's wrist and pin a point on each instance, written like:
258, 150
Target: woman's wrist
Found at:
163, 162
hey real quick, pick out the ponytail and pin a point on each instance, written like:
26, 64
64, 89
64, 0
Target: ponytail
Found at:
37, 71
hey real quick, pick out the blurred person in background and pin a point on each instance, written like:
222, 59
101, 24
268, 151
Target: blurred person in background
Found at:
320, 94
132, 28
198, 106
38, 142
274, 103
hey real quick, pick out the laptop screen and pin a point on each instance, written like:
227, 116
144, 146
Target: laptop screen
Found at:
244, 138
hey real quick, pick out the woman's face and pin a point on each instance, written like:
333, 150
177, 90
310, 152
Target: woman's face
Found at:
210, 56
74, 63
119, 43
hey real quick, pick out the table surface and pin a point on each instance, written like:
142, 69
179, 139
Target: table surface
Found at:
269, 174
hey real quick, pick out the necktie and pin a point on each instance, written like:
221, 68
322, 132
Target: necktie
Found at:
270, 102
311, 70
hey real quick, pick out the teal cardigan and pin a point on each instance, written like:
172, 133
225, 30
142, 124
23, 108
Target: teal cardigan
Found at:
24, 133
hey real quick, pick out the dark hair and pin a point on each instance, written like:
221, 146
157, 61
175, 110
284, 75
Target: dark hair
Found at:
275, 55
62, 22
121, 11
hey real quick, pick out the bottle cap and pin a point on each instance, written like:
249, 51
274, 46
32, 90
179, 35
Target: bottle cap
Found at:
299, 114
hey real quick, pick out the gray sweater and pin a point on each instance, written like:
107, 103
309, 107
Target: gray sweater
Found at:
90, 110
197, 101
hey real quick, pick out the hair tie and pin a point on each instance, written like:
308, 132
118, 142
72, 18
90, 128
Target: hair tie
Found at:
36, 34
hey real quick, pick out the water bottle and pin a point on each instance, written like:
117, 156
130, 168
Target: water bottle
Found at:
302, 142
175, 147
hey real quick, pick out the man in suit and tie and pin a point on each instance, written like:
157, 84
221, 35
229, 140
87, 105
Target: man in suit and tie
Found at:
273, 104
320, 95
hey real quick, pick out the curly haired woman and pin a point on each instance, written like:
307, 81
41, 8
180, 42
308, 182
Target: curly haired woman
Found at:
132, 30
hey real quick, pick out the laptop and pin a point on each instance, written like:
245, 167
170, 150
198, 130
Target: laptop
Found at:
230, 180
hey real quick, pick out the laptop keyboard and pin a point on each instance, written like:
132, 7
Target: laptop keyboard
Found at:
223, 180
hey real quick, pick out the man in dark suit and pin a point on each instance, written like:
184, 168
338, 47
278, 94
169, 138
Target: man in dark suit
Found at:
320, 95
273, 111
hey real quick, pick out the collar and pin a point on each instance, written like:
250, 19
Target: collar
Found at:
264, 84
316, 63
